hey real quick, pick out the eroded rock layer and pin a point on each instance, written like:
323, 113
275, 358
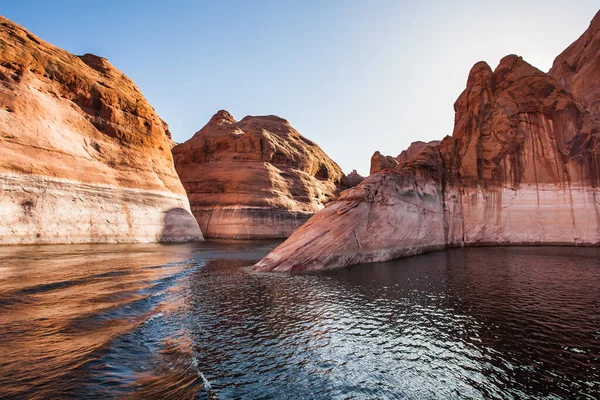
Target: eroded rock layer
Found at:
522, 167
256, 178
85, 158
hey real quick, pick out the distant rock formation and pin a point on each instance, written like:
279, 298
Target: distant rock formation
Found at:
522, 167
414, 150
256, 178
577, 68
380, 162
84, 158
353, 179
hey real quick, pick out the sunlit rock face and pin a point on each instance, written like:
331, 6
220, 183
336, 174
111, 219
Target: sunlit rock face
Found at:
521, 167
85, 158
522, 162
380, 162
256, 178
414, 150
353, 179
577, 68
389, 215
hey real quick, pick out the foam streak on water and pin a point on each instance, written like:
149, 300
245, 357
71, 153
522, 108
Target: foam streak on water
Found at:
190, 321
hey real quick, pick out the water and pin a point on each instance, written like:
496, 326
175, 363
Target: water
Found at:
189, 321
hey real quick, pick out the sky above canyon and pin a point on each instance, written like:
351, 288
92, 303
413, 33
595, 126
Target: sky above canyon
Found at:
354, 76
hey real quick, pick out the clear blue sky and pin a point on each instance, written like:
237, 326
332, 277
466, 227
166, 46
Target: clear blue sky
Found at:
354, 76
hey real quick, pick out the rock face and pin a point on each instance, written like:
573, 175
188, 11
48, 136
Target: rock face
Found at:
85, 158
353, 179
522, 167
380, 162
414, 150
522, 164
578, 68
256, 178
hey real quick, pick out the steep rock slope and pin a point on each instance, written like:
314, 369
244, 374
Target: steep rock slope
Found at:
522, 167
578, 68
256, 178
85, 158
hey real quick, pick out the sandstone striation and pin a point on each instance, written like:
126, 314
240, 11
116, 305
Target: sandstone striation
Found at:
85, 158
521, 167
256, 178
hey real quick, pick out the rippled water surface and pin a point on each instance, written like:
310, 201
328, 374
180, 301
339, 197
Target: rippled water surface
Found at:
190, 321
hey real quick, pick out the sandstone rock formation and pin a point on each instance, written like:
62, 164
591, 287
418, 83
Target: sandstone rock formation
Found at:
380, 162
256, 178
85, 158
578, 68
353, 179
522, 167
414, 150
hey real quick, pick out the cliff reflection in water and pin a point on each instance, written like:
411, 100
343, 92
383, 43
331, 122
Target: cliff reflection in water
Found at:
189, 321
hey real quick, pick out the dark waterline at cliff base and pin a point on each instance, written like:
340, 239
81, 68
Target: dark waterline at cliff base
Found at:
189, 321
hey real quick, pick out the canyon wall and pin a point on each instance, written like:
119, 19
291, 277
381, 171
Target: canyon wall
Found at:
524, 160
256, 178
85, 158
414, 150
521, 167
577, 68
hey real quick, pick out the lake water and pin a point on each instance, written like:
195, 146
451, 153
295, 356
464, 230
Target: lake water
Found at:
190, 321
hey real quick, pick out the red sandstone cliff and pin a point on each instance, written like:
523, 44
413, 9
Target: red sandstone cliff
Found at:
522, 167
353, 179
577, 68
256, 178
85, 158
380, 162
414, 150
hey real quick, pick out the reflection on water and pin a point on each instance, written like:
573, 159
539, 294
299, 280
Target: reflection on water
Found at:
189, 321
